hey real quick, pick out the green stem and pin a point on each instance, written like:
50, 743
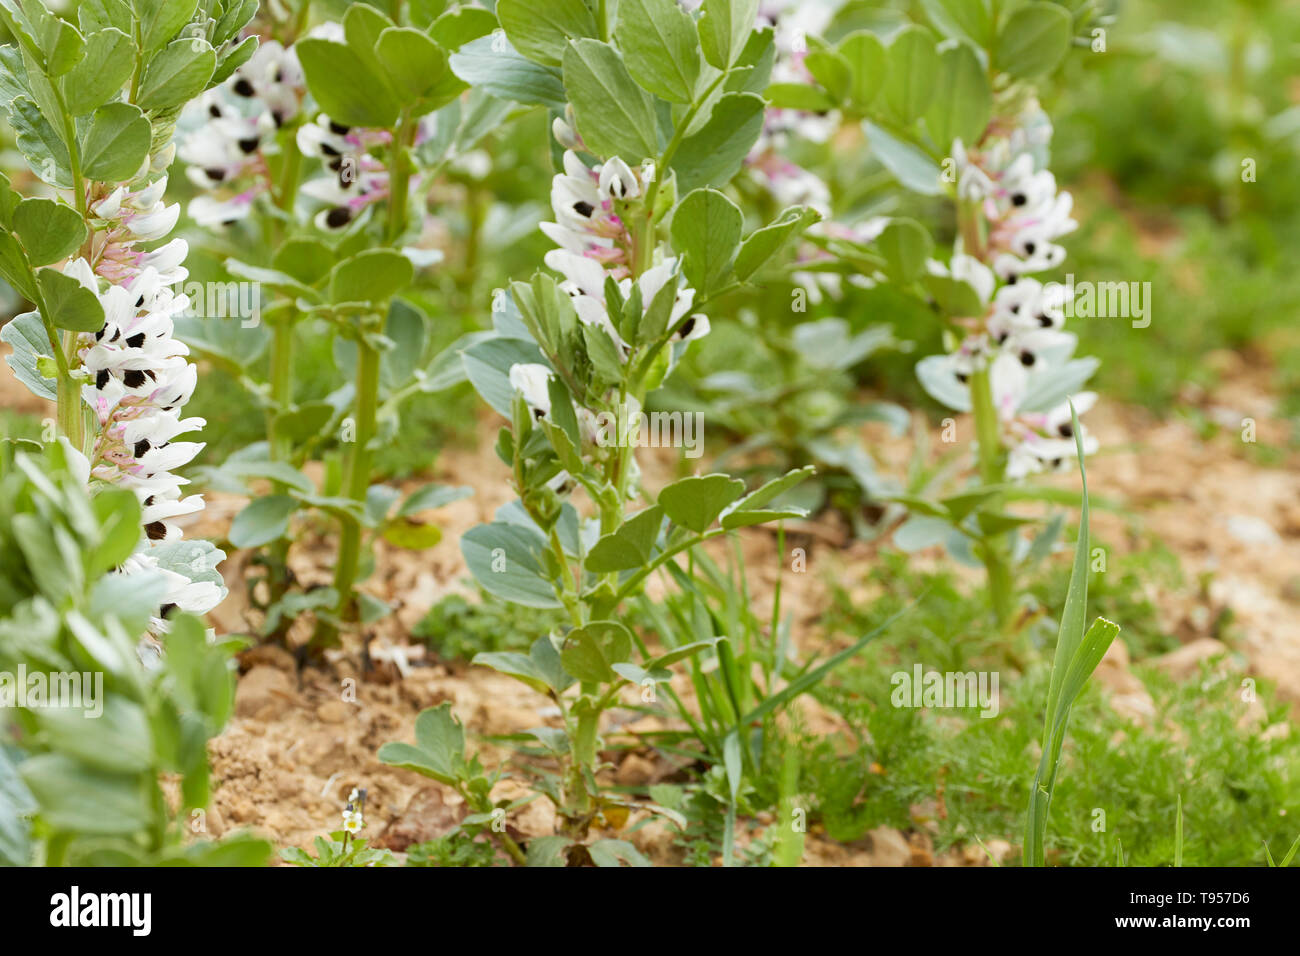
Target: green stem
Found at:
356, 472
991, 473
281, 383
400, 164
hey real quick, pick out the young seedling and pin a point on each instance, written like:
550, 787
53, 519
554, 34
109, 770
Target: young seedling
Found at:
1078, 652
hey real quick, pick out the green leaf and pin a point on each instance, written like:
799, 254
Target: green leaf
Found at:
439, 750
696, 502
910, 165
98, 14
116, 144
71, 305
1034, 40
161, 20
913, 69
16, 803
26, 335
414, 63
832, 71
72, 796
629, 547
458, 26
306, 260
345, 86
660, 48
724, 29
955, 297
411, 534
615, 116
48, 230
59, 42
107, 65
762, 244
118, 515
375, 275
176, 75
964, 101
491, 64
433, 496
590, 652
117, 739
263, 521
962, 19
714, 154
231, 60
865, 55
504, 559
609, 852
773, 489
798, 96
706, 231
540, 668
40, 144
548, 850
906, 245
541, 31
487, 364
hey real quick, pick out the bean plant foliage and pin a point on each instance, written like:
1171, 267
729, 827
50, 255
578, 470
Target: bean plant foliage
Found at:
320, 224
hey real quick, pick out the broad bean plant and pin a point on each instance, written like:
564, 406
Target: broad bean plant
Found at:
96, 724
94, 107
950, 108
315, 161
662, 109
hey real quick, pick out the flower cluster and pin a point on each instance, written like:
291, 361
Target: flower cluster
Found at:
355, 179
769, 166
596, 253
1018, 334
595, 244
137, 375
234, 129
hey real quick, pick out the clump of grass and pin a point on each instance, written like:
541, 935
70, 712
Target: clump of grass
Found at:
457, 629
965, 777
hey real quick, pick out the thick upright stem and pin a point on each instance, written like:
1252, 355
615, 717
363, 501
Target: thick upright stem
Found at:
356, 473
991, 473
281, 383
